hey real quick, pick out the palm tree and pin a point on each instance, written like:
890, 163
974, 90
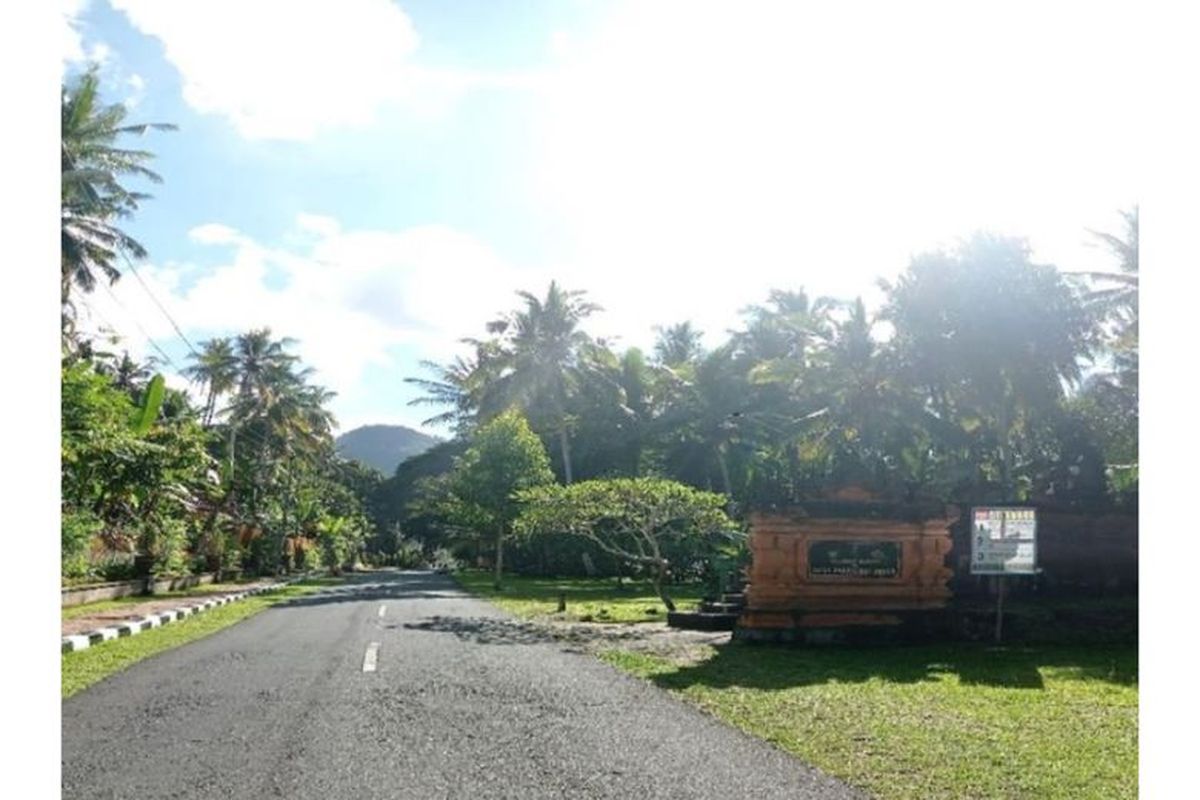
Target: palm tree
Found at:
1118, 300
263, 365
678, 344
460, 385
541, 360
1114, 301
214, 368
130, 376
93, 198
533, 361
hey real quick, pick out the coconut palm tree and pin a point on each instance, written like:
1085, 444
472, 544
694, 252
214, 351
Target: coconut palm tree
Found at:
1115, 299
533, 361
678, 344
214, 368
93, 197
541, 361
263, 365
460, 385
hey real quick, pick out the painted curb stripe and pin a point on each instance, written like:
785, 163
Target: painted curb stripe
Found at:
83, 641
78, 642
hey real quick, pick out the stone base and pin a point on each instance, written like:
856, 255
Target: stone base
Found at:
819, 628
702, 620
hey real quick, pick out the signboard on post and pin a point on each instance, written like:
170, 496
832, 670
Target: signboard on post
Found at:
1003, 541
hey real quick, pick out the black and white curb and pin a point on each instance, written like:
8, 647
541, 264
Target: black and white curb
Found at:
83, 641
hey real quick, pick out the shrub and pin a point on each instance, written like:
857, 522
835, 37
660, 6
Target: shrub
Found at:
443, 558
164, 541
408, 554
78, 529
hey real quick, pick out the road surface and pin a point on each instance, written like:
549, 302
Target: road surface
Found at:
399, 685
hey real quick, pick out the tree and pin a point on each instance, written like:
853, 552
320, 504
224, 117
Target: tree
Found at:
1109, 399
992, 340
93, 197
678, 344
1115, 299
505, 457
214, 368
629, 518
540, 362
139, 475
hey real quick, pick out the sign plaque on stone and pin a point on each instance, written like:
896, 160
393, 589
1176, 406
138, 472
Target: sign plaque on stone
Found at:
1003, 541
853, 559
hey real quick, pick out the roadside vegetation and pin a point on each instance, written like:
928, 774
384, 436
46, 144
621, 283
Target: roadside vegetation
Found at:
153, 482
961, 721
83, 668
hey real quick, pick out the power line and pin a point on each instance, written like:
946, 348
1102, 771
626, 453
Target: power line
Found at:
161, 307
128, 313
253, 437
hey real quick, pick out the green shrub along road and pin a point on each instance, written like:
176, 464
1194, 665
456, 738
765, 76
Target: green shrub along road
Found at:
588, 599
84, 668
964, 721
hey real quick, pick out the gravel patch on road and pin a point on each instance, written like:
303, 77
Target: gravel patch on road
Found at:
653, 638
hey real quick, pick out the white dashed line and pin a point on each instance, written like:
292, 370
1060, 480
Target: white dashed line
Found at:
372, 656
382, 610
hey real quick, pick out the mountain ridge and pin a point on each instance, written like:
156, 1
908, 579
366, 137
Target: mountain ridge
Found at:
383, 447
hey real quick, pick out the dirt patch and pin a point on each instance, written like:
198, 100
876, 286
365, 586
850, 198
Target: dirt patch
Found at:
131, 611
653, 638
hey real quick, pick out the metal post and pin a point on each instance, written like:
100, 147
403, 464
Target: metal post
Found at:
999, 606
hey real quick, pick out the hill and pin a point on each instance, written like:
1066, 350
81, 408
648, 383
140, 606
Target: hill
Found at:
383, 446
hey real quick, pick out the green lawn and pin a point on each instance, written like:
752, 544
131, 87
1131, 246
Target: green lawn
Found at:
965, 721
588, 599
83, 668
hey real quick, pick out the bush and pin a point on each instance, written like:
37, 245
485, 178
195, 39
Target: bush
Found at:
165, 542
443, 559
78, 529
114, 566
408, 554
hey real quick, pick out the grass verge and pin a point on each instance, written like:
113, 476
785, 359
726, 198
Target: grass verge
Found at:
100, 606
929, 722
83, 668
588, 599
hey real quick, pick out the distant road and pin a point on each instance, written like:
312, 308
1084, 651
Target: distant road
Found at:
402, 686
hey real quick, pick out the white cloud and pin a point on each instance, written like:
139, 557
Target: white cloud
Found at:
315, 223
281, 69
72, 39
137, 90
699, 157
348, 298
214, 233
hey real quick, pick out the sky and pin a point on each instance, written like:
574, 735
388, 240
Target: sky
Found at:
377, 179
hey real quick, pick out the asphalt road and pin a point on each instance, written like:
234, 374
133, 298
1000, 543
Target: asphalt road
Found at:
459, 703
